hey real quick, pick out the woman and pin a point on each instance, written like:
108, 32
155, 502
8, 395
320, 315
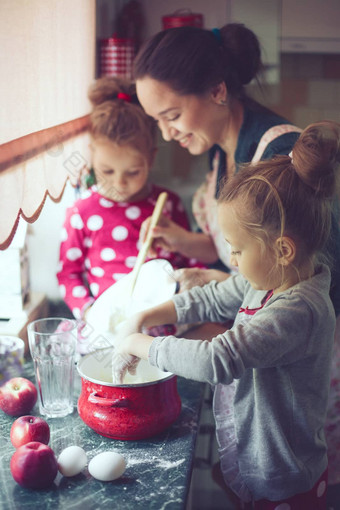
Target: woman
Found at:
192, 82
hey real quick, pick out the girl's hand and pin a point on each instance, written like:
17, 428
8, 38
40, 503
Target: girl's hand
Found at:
192, 277
127, 354
123, 362
167, 235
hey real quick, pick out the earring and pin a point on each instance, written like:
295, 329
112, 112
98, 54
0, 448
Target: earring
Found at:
223, 102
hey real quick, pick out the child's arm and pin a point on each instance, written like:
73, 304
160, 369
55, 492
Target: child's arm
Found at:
209, 303
164, 313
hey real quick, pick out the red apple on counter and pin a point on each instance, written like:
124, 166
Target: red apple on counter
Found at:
34, 465
18, 396
29, 428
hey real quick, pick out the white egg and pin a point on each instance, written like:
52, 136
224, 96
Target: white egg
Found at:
72, 461
107, 466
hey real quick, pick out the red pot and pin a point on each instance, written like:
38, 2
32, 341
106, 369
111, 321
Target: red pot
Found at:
134, 410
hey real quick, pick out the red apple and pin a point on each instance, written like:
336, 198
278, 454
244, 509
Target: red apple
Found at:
34, 465
18, 396
29, 428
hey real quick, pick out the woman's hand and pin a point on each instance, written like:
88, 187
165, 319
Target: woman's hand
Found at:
192, 277
167, 235
171, 237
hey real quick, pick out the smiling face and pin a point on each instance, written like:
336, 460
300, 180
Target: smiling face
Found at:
257, 263
121, 171
195, 122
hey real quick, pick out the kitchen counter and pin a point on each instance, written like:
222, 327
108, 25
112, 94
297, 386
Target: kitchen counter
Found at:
158, 469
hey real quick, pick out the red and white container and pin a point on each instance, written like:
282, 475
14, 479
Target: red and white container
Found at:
116, 57
181, 18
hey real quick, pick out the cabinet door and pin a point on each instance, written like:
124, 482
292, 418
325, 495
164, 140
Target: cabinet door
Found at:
311, 26
263, 18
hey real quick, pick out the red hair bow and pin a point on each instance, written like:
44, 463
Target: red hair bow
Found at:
124, 97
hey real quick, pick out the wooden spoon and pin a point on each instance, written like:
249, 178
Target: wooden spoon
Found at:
143, 252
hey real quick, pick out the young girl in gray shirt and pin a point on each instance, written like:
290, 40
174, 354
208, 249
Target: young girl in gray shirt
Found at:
271, 370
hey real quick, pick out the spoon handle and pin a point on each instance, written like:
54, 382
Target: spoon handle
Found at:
143, 252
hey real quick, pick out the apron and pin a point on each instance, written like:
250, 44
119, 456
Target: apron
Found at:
204, 204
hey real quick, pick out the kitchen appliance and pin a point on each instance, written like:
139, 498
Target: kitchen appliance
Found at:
145, 405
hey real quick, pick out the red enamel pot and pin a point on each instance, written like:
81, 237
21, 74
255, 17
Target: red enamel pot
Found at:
143, 406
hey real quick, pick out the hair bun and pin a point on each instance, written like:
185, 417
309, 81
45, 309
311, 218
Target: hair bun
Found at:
316, 156
108, 88
244, 49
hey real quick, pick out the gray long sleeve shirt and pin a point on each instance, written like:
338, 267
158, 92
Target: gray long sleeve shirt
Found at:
279, 358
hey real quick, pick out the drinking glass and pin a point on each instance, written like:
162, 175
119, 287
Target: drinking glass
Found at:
52, 344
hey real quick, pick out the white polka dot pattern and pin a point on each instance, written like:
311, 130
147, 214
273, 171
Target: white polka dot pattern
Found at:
76, 312
62, 291
63, 235
133, 212
105, 203
76, 222
118, 276
87, 242
95, 222
73, 254
107, 254
97, 271
120, 233
283, 506
94, 288
130, 261
79, 291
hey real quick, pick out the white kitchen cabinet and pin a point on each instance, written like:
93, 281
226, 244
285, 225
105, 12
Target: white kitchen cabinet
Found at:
263, 18
310, 26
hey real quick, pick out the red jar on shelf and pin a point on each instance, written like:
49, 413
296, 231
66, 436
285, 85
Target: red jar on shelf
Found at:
116, 57
181, 18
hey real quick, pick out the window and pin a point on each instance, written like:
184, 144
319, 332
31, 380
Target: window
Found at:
47, 63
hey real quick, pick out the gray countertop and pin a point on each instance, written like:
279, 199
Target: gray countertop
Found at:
158, 469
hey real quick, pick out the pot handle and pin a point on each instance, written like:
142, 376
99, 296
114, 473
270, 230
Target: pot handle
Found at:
94, 398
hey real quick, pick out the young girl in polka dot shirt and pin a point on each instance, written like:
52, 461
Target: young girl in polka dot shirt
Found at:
271, 370
101, 231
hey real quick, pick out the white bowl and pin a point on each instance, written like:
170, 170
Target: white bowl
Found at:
155, 285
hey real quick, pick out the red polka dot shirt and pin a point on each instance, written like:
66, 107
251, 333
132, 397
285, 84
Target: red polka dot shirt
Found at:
100, 244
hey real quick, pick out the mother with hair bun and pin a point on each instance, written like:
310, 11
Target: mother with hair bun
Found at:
191, 80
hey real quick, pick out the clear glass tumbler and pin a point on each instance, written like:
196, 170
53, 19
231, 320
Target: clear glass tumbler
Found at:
52, 344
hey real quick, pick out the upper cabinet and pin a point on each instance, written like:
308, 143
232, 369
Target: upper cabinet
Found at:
310, 26
263, 18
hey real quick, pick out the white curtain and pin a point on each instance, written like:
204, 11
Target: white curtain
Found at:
47, 62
